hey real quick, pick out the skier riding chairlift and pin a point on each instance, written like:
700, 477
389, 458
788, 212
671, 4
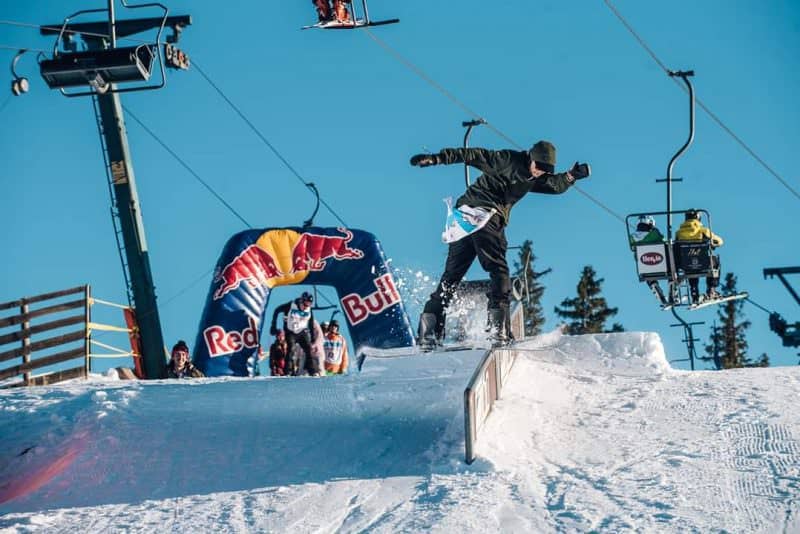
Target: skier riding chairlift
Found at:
342, 16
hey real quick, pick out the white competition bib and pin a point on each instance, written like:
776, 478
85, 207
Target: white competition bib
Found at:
464, 220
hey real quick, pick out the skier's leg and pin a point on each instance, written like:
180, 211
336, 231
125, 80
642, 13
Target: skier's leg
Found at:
491, 246
694, 289
310, 364
656, 289
291, 360
713, 281
323, 9
459, 258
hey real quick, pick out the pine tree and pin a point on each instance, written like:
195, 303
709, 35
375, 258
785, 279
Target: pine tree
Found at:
727, 343
588, 311
532, 289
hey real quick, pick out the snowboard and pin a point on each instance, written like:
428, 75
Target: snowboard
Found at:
336, 25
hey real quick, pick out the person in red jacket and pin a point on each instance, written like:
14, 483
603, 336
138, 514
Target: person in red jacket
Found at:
278, 354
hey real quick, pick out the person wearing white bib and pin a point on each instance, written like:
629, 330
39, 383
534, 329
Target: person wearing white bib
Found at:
298, 324
478, 227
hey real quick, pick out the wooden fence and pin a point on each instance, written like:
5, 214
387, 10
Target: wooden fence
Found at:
65, 317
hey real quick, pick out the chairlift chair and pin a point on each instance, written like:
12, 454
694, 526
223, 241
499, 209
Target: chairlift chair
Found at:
675, 262
356, 21
102, 69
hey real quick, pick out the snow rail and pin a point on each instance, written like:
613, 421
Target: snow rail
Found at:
486, 385
483, 390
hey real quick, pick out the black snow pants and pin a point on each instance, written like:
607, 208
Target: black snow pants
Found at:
489, 245
308, 361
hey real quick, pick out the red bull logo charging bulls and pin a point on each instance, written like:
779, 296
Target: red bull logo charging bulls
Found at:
254, 262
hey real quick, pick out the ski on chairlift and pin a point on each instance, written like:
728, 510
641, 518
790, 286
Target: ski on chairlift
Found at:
342, 16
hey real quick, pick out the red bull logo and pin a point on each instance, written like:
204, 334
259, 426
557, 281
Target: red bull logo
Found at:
312, 251
357, 308
651, 258
281, 257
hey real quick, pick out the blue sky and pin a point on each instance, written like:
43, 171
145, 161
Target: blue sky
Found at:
347, 115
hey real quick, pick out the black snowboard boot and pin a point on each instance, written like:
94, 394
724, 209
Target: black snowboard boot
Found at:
498, 321
426, 333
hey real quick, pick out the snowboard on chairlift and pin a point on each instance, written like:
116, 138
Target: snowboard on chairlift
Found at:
717, 300
347, 25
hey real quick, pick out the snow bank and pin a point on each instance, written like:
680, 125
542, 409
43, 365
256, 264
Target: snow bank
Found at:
622, 353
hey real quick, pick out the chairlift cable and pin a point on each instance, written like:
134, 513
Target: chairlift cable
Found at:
264, 139
17, 48
700, 103
5, 103
419, 72
186, 166
757, 305
213, 192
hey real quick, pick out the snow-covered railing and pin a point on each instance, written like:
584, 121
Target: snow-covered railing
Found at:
486, 385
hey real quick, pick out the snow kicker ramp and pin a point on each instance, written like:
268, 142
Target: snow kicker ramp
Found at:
592, 433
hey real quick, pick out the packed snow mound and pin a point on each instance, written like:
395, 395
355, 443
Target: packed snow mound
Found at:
625, 352
592, 433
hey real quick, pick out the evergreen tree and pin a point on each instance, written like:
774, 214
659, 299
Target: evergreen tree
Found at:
588, 311
727, 343
532, 289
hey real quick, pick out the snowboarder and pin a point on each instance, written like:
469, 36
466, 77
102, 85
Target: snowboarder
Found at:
298, 324
692, 230
507, 176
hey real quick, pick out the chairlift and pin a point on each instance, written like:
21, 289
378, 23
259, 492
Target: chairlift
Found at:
107, 65
355, 20
676, 262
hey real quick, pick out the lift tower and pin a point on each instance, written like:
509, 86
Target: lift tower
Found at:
97, 71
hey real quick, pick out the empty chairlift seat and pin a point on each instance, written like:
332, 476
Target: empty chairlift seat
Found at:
99, 68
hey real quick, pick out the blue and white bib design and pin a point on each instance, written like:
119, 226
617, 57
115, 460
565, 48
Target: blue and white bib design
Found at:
464, 220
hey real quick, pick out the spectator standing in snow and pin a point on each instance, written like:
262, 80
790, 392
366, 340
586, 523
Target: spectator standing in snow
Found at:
278, 354
335, 350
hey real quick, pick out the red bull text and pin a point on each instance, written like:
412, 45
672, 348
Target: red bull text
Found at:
219, 342
357, 308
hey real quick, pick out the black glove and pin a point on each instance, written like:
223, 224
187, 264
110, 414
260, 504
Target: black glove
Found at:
424, 160
580, 170
273, 331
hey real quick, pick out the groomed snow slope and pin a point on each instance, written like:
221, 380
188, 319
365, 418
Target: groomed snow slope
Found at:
592, 433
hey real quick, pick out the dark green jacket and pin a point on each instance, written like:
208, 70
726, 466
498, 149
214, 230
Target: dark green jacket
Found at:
506, 178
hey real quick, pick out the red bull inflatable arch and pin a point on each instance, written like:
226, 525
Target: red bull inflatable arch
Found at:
255, 261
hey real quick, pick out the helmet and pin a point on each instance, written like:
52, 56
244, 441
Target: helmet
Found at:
333, 323
307, 296
647, 219
692, 214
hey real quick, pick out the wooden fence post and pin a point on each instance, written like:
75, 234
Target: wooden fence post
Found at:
88, 341
26, 341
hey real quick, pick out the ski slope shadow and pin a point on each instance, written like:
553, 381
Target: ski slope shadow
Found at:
127, 443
